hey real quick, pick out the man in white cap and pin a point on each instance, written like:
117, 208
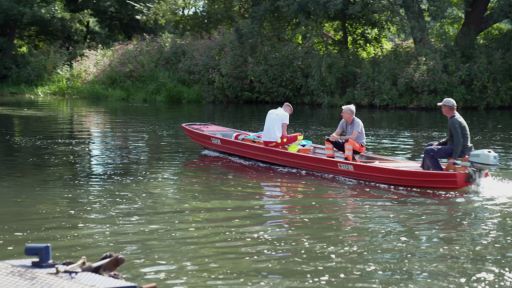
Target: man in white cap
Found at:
456, 145
349, 137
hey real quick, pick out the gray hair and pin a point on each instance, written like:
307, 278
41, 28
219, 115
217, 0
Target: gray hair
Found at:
350, 108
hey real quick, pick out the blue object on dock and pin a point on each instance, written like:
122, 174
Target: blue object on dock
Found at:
43, 252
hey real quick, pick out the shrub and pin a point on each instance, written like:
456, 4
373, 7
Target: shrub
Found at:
231, 66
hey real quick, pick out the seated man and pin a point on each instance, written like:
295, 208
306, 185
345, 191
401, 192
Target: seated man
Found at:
349, 136
276, 123
456, 145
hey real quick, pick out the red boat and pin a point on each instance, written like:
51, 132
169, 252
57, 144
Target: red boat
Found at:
368, 167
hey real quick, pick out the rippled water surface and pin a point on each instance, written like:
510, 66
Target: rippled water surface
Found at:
97, 177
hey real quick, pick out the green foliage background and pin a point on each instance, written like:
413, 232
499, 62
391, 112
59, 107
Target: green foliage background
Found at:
407, 53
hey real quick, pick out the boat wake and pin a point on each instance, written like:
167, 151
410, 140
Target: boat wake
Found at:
500, 189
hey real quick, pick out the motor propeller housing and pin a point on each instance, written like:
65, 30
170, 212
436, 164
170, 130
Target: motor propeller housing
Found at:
484, 159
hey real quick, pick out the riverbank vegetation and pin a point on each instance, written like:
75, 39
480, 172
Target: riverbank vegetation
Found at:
407, 53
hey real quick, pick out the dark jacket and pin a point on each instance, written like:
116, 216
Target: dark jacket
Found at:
458, 136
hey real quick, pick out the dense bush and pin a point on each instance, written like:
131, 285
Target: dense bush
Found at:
220, 68
401, 78
37, 65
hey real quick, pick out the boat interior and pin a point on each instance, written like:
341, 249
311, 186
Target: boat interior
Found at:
317, 150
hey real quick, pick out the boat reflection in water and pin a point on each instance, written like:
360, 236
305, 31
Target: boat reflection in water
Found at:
287, 183
293, 197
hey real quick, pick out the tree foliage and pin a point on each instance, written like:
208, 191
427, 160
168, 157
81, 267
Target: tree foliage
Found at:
375, 52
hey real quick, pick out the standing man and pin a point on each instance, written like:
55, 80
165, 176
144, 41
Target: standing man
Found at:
456, 145
349, 136
275, 132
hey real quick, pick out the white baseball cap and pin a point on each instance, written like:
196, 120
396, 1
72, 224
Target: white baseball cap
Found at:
447, 102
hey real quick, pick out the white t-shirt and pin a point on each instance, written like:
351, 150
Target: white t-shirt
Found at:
273, 129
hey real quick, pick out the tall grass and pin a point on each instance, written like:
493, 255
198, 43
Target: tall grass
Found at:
126, 72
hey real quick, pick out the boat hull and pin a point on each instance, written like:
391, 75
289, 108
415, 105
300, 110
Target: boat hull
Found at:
215, 137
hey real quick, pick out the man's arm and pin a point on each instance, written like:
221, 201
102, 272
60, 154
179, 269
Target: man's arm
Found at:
443, 142
353, 136
284, 128
335, 136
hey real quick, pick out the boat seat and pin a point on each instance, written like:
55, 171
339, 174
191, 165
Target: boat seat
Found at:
228, 134
400, 165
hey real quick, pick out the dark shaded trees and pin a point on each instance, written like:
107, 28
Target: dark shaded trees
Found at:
480, 15
417, 24
27, 26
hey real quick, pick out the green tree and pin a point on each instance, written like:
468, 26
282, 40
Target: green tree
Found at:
417, 24
193, 16
480, 15
29, 24
118, 19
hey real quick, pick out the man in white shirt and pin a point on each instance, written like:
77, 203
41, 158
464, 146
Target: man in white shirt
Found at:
276, 123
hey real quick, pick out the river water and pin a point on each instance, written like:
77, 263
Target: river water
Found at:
96, 177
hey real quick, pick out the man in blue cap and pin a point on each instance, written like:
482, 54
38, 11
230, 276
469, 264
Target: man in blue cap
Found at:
456, 145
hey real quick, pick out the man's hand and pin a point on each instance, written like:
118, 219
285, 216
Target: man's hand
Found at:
450, 166
334, 137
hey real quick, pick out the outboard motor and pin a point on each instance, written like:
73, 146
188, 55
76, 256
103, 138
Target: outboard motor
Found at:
484, 159
480, 162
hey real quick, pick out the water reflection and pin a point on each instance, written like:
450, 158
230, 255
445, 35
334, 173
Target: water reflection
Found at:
290, 195
112, 147
358, 216
94, 178
305, 219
